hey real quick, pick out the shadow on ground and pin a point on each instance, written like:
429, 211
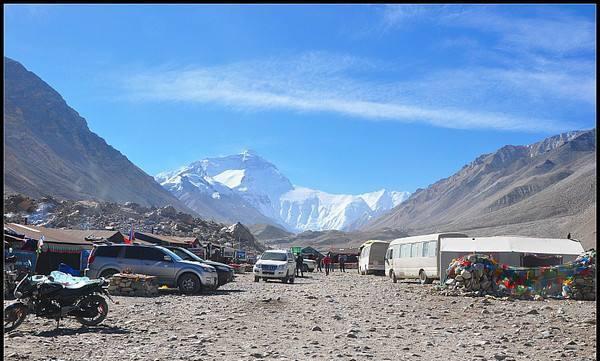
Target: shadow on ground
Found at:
175, 291
81, 330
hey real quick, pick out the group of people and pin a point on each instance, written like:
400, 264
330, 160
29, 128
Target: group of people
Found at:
322, 262
327, 263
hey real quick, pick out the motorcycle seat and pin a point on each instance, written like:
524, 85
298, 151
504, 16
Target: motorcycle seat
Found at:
76, 286
78, 289
81, 285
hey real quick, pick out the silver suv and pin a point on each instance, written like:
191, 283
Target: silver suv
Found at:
169, 268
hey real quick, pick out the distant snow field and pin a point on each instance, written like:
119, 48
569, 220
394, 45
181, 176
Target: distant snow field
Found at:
260, 184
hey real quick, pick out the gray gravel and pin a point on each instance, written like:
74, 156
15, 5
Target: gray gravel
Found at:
340, 317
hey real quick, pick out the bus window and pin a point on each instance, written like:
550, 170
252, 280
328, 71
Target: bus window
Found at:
420, 249
431, 250
425, 246
405, 251
413, 252
390, 253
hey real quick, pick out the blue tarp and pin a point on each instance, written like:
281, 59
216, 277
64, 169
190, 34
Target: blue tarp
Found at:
23, 257
65, 268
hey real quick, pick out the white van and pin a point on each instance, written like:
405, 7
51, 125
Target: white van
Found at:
372, 257
416, 257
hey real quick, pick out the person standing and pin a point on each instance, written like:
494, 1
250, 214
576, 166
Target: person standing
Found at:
320, 263
343, 263
326, 263
299, 265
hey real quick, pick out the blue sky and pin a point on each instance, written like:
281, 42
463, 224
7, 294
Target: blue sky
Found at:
346, 99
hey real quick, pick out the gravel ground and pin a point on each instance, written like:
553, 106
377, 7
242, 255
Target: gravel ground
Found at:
343, 316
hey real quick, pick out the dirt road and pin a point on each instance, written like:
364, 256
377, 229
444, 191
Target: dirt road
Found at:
340, 317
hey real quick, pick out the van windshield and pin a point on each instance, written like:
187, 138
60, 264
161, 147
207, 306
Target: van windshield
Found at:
273, 256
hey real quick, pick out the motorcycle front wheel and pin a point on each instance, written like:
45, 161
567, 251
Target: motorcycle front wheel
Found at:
14, 315
97, 309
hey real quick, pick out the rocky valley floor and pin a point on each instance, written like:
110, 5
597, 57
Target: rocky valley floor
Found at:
342, 316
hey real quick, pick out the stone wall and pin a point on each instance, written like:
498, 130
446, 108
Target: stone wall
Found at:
122, 284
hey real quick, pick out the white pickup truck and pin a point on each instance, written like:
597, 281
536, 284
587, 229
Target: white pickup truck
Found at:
308, 265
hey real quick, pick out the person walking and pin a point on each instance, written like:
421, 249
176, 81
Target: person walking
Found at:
299, 265
343, 263
327, 263
320, 263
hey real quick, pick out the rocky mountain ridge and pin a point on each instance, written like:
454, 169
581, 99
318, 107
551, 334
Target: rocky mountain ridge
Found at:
52, 213
543, 189
49, 150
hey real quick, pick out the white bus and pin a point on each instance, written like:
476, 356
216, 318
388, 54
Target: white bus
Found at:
372, 257
416, 257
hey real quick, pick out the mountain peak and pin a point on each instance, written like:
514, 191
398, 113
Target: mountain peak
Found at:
262, 186
247, 153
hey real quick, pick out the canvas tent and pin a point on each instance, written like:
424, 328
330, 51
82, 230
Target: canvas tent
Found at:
351, 254
310, 252
162, 240
67, 246
511, 250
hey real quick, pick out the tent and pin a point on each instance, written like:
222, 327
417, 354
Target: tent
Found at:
67, 246
310, 252
511, 250
162, 240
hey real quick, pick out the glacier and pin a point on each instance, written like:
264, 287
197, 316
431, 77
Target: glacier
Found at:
248, 180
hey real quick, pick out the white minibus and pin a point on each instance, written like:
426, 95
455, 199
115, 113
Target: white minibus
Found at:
416, 257
372, 257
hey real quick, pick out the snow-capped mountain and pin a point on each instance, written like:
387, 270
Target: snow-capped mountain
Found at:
246, 182
308, 209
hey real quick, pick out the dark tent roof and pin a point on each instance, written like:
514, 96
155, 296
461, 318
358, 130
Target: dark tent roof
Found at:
55, 235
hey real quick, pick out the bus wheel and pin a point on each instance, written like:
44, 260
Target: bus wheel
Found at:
424, 279
394, 277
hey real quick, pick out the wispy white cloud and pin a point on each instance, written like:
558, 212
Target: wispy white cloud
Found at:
320, 82
531, 29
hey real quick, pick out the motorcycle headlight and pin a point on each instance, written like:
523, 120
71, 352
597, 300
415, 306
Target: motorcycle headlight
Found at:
18, 294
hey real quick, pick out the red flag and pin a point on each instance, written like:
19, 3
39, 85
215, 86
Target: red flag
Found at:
129, 239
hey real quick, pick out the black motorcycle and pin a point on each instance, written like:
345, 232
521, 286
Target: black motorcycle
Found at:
43, 297
13, 274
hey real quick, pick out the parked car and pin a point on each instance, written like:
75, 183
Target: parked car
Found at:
276, 264
225, 272
308, 265
168, 267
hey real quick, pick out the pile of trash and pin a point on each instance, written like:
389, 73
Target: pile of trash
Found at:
480, 275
